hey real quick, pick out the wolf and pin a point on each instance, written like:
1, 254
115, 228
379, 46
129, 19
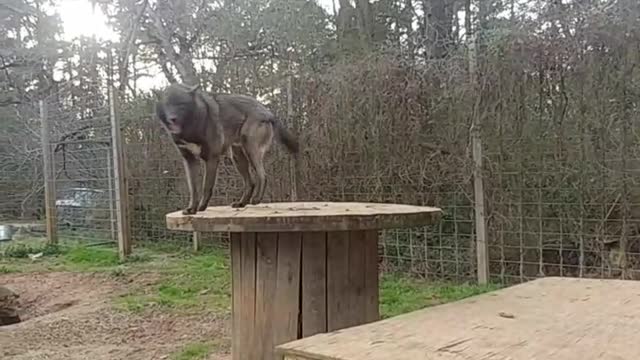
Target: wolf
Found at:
205, 127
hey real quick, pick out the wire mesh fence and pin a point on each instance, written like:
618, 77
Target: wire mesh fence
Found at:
345, 160
559, 132
81, 145
21, 186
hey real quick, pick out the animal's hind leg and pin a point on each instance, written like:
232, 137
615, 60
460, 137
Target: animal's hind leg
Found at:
256, 156
242, 164
209, 181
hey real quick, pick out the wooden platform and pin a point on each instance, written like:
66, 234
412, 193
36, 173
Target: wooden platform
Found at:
304, 216
300, 269
550, 318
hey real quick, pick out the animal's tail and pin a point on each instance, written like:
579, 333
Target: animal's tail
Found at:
286, 137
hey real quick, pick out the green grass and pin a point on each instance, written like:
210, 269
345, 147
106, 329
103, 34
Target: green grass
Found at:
91, 258
401, 294
189, 283
21, 250
193, 351
8, 269
192, 283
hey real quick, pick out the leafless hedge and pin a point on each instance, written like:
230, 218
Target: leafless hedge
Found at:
559, 115
560, 136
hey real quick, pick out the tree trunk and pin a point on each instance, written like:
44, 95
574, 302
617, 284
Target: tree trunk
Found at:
181, 60
406, 23
365, 22
344, 23
440, 30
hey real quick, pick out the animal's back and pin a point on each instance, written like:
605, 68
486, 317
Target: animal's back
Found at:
243, 104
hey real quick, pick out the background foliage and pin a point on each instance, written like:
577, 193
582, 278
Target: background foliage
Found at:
381, 94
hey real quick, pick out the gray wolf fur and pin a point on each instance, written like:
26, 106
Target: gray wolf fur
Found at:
204, 127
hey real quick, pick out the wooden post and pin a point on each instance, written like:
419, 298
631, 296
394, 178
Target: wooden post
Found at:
478, 190
292, 162
49, 177
196, 241
482, 248
120, 178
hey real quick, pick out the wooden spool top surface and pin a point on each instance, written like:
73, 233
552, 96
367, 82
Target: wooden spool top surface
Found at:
304, 216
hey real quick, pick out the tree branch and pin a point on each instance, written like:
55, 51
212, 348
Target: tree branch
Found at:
129, 43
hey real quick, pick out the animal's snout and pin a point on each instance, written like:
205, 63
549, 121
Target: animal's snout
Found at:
173, 125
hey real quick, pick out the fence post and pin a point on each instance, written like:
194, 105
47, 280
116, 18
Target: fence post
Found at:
482, 248
120, 179
293, 162
196, 241
49, 177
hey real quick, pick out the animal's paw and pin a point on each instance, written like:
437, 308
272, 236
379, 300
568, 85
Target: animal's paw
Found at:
238, 204
188, 211
202, 207
255, 201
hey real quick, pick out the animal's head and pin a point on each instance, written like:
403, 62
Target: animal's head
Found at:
176, 107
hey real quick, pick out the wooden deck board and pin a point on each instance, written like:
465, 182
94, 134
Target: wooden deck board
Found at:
550, 318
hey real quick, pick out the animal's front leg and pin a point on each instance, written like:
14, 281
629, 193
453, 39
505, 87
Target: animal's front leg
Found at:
209, 181
190, 167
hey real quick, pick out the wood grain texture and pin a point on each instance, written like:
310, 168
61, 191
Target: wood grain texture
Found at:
120, 179
292, 285
244, 319
304, 216
357, 261
338, 290
314, 305
549, 318
287, 298
236, 293
296, 357
371, 277
266, 280
49, 174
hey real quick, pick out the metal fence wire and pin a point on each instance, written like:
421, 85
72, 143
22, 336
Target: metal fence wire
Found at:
81, 146
559, 137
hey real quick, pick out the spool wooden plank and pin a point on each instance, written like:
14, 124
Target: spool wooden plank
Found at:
236, 291
266, 277
314, 305
371, 280
549, 318
338, 300
244, 318
287, 298
357, 258
304, 217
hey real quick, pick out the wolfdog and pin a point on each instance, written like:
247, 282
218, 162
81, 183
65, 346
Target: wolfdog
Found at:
206, 127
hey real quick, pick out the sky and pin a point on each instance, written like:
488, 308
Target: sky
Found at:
79, 18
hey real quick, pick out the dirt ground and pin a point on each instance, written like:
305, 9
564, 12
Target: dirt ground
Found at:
71, 316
